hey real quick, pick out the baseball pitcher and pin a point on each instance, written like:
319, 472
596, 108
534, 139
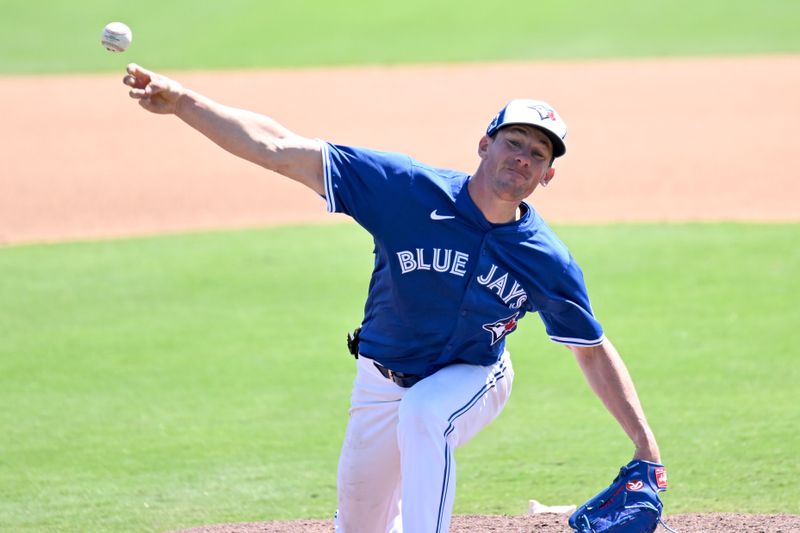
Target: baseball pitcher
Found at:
460, 259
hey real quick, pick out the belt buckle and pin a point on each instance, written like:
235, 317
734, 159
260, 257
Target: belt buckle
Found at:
400, 379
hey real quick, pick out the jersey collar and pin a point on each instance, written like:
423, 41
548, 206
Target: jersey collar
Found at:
467, 207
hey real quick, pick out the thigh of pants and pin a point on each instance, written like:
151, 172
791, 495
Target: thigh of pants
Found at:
454, 404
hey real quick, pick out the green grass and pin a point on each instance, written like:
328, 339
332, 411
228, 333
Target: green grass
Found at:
61, 36
151, 384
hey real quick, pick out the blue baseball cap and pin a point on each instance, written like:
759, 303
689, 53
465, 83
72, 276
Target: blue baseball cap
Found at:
534, 113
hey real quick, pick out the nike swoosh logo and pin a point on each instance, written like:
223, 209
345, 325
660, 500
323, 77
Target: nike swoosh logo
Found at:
436, 216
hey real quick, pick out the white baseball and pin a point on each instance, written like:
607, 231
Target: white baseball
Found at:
116, 37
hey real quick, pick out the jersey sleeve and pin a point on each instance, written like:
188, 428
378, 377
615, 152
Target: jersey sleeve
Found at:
566, 311
365, 184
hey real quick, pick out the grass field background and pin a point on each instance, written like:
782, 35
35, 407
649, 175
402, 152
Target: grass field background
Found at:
163, 382
61, 36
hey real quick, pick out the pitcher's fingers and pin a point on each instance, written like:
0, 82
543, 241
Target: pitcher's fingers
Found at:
138, 94
141, 75
134, 69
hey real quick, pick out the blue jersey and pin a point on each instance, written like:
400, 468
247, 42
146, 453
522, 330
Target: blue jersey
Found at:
448, 286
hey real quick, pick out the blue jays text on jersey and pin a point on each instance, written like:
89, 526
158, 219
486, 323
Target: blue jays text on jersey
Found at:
448, 286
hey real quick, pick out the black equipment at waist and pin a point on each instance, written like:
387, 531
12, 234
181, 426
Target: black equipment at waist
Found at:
401, 379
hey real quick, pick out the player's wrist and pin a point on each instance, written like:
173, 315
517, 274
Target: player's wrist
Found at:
648, 452
183, 100
646, 445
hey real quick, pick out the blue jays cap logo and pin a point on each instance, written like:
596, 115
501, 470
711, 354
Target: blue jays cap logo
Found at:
502, 327
544, 111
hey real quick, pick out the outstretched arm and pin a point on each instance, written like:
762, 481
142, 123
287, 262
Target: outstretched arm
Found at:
609, 378
248, 135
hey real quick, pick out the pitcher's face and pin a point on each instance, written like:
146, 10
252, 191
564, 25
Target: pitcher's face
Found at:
516, 161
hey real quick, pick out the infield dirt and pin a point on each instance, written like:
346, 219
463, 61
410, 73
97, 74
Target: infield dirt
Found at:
665, 140
543, 523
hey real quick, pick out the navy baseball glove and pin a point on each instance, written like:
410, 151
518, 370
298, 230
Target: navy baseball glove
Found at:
629, 505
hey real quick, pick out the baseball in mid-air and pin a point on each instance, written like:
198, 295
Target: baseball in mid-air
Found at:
116, 37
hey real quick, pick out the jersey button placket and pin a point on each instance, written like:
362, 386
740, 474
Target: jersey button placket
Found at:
464, 313
471, 285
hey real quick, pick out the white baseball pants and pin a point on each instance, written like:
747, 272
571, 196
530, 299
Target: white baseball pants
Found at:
396, 469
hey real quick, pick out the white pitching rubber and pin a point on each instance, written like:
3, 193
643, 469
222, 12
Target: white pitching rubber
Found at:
534, 507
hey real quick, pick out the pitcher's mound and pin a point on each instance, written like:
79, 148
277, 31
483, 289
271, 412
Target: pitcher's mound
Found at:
543, 523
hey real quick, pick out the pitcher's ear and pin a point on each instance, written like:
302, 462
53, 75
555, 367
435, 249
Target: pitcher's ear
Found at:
483, 146
548, 176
